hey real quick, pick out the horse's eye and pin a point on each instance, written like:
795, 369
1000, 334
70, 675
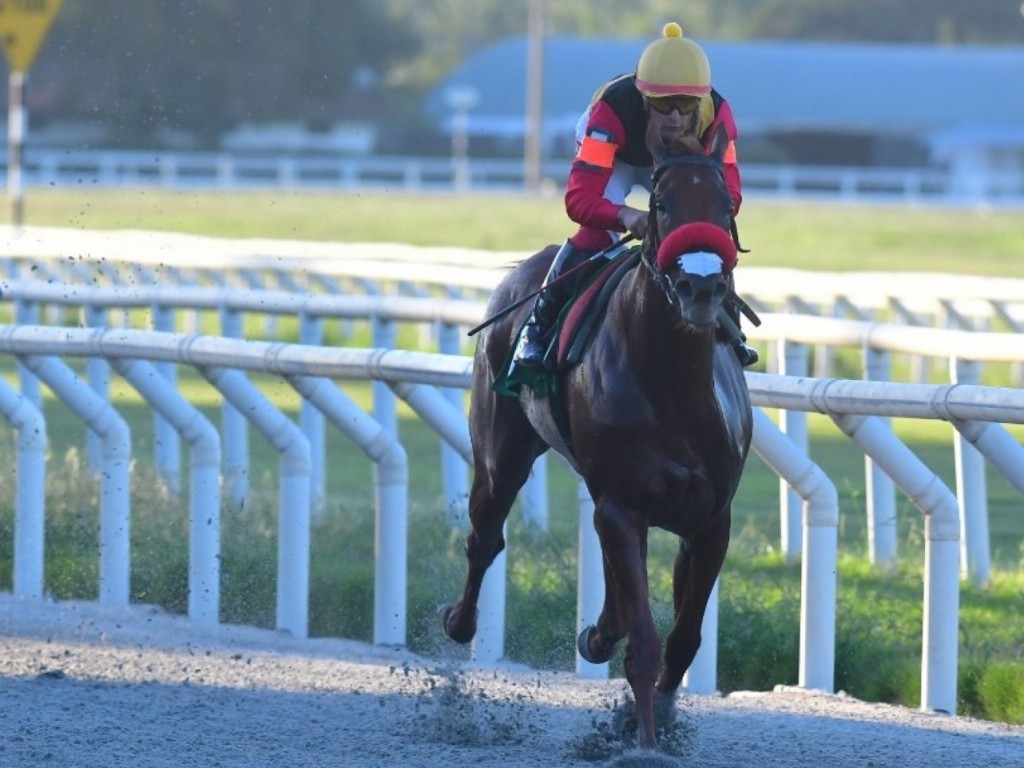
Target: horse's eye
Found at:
659, 204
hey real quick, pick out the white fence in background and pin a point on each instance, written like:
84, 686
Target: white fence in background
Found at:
148, 361
139, 258
127, 168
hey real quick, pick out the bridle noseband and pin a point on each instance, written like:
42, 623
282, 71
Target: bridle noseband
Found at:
651, 243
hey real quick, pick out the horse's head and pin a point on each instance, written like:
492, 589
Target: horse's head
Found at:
688, 244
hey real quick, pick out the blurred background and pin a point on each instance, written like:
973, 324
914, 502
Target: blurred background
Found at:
925, 84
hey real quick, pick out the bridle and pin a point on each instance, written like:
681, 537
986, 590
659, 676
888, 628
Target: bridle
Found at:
652, 242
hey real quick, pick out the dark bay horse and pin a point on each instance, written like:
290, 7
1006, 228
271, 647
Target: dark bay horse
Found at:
660, 428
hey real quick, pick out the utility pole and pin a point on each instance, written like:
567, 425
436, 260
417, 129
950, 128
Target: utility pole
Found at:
534, 94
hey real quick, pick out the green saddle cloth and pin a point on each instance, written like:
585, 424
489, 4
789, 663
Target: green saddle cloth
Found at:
582, 314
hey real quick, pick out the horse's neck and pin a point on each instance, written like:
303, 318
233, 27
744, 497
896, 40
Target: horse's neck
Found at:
658, 340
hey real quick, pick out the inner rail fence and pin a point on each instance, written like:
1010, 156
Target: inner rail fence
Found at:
147, 359
789, 339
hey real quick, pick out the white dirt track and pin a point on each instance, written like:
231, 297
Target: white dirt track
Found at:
82, 685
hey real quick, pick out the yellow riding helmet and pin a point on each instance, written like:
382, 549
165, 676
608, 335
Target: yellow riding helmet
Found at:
673, 66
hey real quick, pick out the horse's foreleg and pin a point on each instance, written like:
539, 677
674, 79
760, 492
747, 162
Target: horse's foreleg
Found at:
624, 544
596, 643
697, 566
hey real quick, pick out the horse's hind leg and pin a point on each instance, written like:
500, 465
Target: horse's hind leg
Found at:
502, 462
697, 566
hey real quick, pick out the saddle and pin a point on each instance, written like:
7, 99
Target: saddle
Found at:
573, 330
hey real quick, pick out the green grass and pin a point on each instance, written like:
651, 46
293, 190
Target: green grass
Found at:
879, 613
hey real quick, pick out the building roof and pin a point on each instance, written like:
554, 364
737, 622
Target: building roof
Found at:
772, 86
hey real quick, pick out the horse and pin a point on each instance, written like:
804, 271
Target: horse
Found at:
660, 423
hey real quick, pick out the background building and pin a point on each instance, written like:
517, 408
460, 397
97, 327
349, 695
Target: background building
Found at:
885, 105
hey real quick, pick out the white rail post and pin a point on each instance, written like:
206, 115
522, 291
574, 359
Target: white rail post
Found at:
821, 537
998, 446
590, 580
29, 502
533, 496
234, 427
489, 644
98, 372
384, 409
454, 469
880, 492
391, 522
115, 474
311, 420
294, 493
27, 313
204, 486
940, 630
702, 676
793, 360
971, 489
166, 442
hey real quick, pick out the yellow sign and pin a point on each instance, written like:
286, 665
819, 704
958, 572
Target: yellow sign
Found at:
23, 26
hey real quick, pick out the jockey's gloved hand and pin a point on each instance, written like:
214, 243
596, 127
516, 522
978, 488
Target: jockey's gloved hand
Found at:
635, 221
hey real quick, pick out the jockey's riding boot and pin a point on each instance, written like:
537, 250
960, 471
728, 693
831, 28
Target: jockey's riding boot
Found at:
533, 341
747, 354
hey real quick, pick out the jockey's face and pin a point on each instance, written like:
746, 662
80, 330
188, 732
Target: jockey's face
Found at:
666, 105
674, 119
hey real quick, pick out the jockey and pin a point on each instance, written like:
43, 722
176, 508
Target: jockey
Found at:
670, 93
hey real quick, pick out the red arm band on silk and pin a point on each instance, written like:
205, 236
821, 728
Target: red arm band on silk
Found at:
584, 192
730, 153
594, 151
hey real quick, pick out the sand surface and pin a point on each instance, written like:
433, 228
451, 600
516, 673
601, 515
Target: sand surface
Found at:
82, 685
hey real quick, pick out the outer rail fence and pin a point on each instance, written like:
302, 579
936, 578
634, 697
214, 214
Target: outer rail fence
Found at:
858, 408
219, 170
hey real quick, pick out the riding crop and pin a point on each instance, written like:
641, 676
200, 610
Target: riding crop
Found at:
565, 275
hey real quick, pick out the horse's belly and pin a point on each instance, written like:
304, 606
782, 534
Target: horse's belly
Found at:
538, 412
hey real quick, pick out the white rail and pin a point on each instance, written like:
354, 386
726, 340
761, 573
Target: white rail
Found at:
964, 351
191, 170
133, 258
851, 404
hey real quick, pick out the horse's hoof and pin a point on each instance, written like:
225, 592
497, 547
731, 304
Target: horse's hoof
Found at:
664, 709
450, 623
583, 646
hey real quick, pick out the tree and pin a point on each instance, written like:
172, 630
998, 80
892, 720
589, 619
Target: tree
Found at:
147, 69
152, 66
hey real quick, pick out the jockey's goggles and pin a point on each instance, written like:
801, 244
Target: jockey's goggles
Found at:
666, 105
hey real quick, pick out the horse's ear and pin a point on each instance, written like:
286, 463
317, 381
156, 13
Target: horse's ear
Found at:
719, 143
